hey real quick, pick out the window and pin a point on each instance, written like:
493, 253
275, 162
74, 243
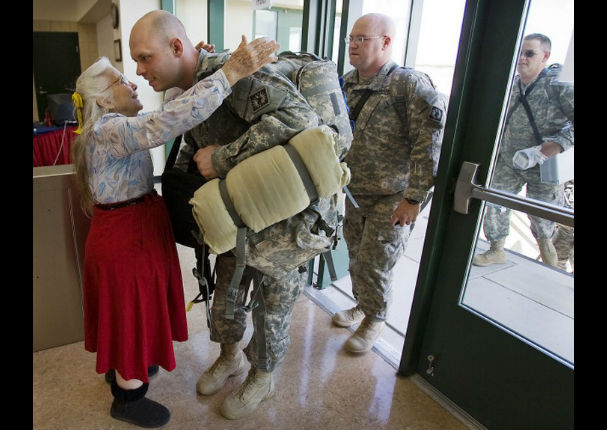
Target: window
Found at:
282, 22
193, 15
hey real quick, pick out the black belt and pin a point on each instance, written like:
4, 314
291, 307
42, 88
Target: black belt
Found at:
130, 202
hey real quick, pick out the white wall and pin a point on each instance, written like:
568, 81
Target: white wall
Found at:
105, 40
193, 15
241, 13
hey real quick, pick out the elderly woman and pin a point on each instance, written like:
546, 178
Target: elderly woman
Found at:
133, 293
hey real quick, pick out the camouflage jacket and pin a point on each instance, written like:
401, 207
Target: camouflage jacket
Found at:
551, 103
264, 109
398, 133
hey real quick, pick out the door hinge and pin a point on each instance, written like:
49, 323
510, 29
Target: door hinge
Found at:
430, 369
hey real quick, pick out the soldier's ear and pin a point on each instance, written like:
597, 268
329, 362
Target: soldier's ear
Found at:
386, 42
176, 46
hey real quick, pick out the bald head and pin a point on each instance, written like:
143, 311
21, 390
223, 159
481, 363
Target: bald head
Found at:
383, 24
161, 24
163, 52
369, 56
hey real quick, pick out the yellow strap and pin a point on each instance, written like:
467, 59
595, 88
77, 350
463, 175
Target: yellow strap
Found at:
77, 99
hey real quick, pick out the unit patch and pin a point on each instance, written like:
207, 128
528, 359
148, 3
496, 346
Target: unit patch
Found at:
259, 99
436, 114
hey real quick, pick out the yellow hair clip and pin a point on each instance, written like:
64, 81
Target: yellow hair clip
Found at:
77, 99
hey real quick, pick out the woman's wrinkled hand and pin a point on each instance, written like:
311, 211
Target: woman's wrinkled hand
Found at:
249, 57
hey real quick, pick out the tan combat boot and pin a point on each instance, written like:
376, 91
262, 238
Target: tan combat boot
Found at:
348, 317
365, 336
231, 362
258, 386
548, 252
495, 254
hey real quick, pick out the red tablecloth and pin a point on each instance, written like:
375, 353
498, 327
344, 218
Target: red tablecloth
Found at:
54, 145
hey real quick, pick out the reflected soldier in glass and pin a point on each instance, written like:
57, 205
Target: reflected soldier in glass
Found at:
539, 125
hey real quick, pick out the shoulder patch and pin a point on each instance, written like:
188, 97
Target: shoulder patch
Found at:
436, 114
259, 99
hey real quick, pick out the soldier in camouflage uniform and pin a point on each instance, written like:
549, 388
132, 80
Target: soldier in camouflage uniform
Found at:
393, 160
263, 110
551, 103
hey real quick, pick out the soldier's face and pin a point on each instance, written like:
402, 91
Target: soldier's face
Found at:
369, 55
154, 58
532, 59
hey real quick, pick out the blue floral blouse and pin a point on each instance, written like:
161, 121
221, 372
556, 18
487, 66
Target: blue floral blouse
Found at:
118, 157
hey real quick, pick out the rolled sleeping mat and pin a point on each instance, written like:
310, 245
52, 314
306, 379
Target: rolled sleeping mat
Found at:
269, 187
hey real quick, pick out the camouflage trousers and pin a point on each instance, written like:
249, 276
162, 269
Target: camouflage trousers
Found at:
272, 310
505, 178
374, 247
563, 239
563, 242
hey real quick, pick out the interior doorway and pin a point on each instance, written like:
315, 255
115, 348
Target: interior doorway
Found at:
56, 65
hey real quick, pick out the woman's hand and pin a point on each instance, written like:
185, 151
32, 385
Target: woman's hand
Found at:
249, 57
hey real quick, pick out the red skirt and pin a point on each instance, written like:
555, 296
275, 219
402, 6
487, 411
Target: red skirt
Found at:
133, 292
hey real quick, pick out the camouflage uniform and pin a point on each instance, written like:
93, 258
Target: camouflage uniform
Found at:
551, 103
263, 110
563, 238
394, 155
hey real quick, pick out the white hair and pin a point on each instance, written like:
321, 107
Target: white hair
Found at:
90, 85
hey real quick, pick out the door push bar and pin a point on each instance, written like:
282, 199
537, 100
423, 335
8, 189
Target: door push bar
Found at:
467, 188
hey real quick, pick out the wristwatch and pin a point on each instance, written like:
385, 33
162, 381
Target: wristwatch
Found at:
412, 202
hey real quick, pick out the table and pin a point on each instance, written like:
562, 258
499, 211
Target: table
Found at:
54, 147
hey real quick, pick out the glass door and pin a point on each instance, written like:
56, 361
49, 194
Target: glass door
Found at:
492, 320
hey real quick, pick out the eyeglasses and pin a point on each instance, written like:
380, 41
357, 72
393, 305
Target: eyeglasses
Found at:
360, 39
529, 53
122, 80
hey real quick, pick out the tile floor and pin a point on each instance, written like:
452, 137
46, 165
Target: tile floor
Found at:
319, 385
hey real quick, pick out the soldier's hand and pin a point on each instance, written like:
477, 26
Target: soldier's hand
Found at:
209, 48
550, 148
249, 57
405, 213
202, 158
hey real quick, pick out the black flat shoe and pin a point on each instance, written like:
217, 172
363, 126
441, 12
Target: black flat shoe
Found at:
143, 412
133, 407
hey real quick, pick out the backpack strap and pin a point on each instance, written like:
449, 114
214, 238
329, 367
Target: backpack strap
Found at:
366, 94
173, 154
303, 172
241, 234
328, 257
363, 99
523, 100
203, 283
232, 291
525, 103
